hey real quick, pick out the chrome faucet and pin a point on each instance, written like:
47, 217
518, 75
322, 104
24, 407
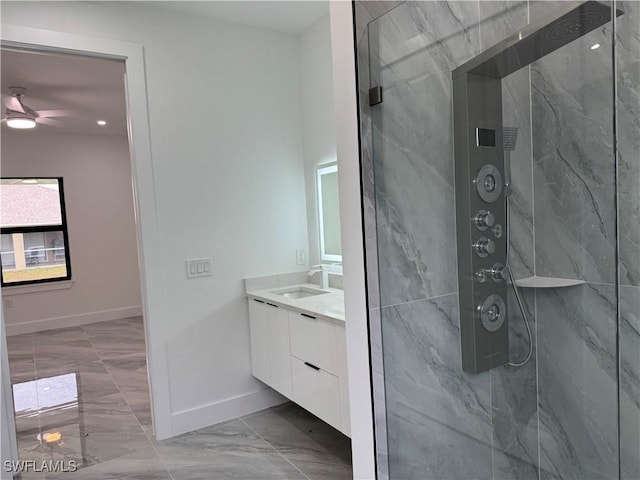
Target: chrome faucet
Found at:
324, 269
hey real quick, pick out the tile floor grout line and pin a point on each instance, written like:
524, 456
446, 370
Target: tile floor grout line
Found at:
153, 445
113, 379
101, 360
36, 378
149, 439
152, 441
274, 448
106, 367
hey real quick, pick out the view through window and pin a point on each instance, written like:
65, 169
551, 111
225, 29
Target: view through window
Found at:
34, 240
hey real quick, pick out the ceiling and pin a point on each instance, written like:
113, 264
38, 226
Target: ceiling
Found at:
89, 89
284, 16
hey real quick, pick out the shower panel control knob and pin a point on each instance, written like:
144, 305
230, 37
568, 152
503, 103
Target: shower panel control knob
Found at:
484, 247
493, 312
498, 273
484, 220
488, 183
481, 275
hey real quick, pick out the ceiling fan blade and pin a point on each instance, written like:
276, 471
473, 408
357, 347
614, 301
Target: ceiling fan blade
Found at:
49, 121
12, 103
54, 113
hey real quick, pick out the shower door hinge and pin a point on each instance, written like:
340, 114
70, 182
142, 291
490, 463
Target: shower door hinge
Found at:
375, 96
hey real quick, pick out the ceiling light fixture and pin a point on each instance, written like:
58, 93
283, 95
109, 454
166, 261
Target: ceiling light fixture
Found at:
20, 120
594, 46
29, 181
102, 123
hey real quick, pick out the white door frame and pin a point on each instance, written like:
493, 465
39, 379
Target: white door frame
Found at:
346, 114
8, 443
147, 232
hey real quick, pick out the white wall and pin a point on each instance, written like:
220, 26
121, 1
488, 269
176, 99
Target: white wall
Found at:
229, 184
318, 117
96, 175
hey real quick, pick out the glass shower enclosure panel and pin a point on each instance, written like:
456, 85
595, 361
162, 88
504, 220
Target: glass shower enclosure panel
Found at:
489, 182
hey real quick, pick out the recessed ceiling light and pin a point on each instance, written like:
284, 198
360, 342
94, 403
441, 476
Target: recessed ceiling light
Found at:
30, 180
102, 123
594, 46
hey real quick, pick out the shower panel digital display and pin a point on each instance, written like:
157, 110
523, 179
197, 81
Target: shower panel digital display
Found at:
481, 210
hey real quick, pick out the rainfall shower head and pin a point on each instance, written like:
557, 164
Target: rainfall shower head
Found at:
509, 138
568, 23
577, 23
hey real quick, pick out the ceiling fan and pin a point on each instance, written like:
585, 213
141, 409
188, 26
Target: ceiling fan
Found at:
19, 115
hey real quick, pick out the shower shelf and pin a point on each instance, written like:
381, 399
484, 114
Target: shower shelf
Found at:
548, 282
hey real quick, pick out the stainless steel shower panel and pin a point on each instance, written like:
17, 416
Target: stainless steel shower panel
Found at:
480, 207
480, 176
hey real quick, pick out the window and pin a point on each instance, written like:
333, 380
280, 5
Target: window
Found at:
35, 244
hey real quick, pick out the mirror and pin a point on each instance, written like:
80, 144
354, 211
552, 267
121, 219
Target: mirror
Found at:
329, 212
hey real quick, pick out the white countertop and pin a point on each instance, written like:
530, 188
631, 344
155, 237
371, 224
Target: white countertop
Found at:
329, 305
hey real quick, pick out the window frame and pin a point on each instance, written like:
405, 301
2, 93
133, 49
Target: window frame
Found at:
321, 170
43, 228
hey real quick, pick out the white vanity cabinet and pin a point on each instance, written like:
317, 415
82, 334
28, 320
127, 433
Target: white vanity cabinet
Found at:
302, 356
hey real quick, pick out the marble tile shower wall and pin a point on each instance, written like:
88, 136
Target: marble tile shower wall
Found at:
575, 237
416, 253
628, 131
487, 426
628, 123
514, 390
410, 231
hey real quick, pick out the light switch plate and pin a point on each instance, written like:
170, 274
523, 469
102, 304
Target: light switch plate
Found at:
300, 260
199, 267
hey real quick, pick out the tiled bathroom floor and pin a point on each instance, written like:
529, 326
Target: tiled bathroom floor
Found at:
89, 386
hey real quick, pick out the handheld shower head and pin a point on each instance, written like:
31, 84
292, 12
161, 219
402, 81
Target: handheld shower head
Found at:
509, 139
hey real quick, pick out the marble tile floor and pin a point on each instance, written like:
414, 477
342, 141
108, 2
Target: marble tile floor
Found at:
81, 395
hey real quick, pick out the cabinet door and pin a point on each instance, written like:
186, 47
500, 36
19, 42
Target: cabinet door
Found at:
259, 332
316, 391
279, 351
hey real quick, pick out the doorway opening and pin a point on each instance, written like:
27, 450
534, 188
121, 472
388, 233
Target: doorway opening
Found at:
76, 342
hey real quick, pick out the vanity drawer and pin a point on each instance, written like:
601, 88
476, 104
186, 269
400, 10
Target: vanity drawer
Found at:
313, 340
316, 391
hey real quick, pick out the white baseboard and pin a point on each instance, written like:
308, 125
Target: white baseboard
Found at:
207, 415
33, 326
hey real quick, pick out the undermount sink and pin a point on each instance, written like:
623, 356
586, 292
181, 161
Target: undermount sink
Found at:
299, 292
